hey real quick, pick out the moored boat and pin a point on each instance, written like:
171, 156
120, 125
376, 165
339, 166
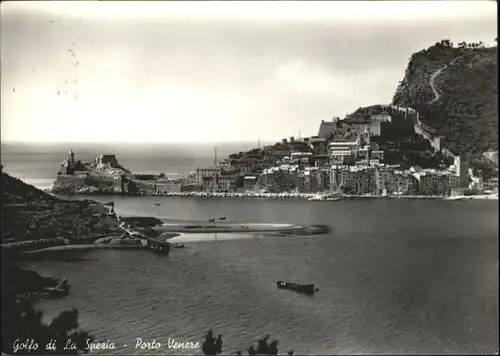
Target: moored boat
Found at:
301, 288
57, 292
335, 198
326, 197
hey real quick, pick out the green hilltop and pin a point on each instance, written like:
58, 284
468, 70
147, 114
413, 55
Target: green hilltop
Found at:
454, 88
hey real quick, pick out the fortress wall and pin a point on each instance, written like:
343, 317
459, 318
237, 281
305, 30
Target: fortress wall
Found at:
70, 179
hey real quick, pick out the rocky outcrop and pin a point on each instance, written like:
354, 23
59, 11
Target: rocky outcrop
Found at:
454, 88
107, 168
68, 188
24, 282
28, 214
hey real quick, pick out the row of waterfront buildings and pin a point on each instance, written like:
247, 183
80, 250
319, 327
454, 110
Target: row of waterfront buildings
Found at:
341, 158
359, 179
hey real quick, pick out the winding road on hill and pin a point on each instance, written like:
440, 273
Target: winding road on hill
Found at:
433, 86
437, 73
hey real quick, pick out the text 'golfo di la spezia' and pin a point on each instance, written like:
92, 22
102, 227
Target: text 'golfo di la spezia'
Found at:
29, 345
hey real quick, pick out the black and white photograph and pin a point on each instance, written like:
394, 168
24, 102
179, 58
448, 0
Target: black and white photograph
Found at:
249, 178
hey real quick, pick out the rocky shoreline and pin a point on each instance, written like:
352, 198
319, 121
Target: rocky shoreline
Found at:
29, 286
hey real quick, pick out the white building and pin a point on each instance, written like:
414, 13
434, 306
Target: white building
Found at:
381, 118
342, 151
204, 172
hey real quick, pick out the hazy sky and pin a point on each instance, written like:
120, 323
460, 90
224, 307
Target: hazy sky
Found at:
213, 71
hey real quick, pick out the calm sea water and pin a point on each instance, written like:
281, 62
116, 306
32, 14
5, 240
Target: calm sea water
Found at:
394, 276
37, 164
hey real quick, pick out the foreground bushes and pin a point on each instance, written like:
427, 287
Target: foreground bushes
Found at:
23, 331
213, 346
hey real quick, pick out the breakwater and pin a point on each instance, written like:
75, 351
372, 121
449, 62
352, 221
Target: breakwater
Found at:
226, 227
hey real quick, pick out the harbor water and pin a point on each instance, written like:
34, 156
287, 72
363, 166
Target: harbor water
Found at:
401, 276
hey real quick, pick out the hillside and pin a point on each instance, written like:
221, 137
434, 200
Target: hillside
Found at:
28, 213
15, 191
400, 143
454, 88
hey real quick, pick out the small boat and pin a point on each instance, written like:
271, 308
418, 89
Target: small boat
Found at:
457, 198
211, 220
301, 288
179, 246
336, 198
316, 198
326, 197
157, 204
58, 292
61, 290
222, 218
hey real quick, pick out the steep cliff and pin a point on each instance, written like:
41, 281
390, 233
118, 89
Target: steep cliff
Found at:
454, 88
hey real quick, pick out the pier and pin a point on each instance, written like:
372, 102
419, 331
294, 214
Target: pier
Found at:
161, 247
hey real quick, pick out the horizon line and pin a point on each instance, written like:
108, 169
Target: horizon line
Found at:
136, 142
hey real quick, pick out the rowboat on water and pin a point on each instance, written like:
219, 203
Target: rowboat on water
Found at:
301, 288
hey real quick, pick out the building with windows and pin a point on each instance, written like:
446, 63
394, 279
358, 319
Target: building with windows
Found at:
284, 178
206, 172
343, 151
249, 183
223, 184
208, 183
462, 171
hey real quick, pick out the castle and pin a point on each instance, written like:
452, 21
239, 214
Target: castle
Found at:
70, 166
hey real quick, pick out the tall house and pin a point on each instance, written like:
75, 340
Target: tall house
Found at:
343, 151
462, 169
206, 173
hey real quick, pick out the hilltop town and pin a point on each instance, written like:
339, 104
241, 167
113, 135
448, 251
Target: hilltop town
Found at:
381, 150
